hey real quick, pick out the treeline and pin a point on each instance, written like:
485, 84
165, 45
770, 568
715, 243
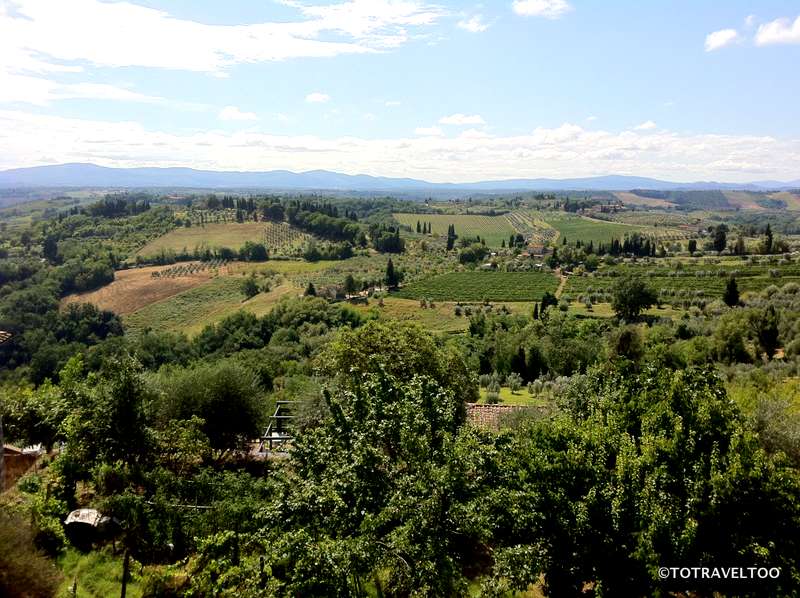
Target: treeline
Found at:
387, 481
52, 259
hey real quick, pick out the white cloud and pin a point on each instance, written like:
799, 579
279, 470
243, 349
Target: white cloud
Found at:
473, 24
462, 119
428, 131
28, 139
41, 34
551, 9
591, 118
720, 39
750, 21
392, 103
317, 98
474, 134
779, 31
647, 125
40, 91
233, 113
379, 23
370, 116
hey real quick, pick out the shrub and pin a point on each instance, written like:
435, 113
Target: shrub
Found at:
24, 571
492, 398
514, 382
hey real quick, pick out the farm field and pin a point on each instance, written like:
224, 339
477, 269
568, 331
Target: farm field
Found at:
232, 235
700, 279
440, 318
657, 219
477, 286
576, 228
792, 200
521, 397
189, 312
495, 229
743, 200
631, 199
135, 288
283, 238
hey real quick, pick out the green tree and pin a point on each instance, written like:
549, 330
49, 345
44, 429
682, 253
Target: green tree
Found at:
376, 492
226, 396
765, 326
647, 470
731, 295
768, 239
250, 286
720, 238
392, 277
350, 286
630, 297
311, 290
514, 382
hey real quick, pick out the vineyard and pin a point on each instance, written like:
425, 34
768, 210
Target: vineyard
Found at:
479, 286
578, 228
283, 239
202, 217
189, 268
681, 281
535, 231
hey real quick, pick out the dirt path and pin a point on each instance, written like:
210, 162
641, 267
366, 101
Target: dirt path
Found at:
562, 283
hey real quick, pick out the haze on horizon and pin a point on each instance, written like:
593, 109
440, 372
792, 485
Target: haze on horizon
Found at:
440, 91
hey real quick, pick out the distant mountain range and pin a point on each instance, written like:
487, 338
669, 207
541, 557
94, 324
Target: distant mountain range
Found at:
91, 175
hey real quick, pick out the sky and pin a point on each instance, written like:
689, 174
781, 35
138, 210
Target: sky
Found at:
683, 90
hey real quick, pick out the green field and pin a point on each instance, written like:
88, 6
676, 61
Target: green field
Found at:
700, 279
477, 286
495, 229
578, 228
232, 235
192, 310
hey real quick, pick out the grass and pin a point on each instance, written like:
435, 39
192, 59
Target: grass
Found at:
479, 286
521, 397
693, 277
579, 228
231, 234
98, 574
637, 200
440, 318
792, 199
494, 229
136, 288
192, 310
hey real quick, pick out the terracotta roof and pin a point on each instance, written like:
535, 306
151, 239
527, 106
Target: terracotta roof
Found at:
488, 416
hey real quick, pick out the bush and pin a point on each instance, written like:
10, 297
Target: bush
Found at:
514, 382
492, 398
24, 571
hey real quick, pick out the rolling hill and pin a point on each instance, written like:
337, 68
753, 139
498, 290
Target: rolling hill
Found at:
91, 175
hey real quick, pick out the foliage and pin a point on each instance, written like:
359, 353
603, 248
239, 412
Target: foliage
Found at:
631, 296
24, 570
477, 286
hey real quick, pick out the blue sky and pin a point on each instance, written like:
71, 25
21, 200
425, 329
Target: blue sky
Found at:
446, 91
